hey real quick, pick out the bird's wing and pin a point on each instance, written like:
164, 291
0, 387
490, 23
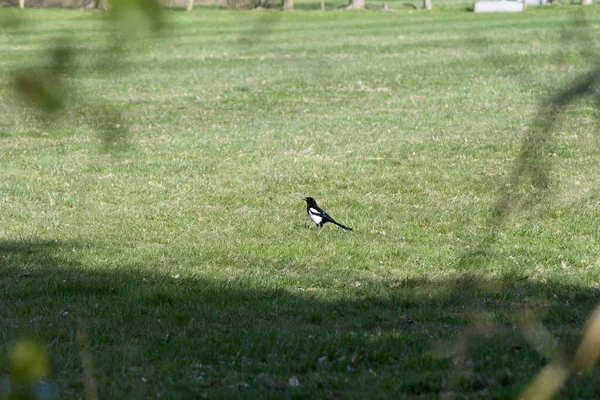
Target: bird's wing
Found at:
320, 213
315, 211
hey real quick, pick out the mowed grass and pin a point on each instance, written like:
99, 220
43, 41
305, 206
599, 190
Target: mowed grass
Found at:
180, 246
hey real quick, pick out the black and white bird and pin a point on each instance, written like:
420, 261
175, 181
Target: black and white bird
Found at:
318, 216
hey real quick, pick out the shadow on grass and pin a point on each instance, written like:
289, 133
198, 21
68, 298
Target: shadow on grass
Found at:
193, 336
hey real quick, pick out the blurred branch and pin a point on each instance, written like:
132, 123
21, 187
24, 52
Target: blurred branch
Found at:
526, 186
552, 377
85, 353
546, 383
588, 352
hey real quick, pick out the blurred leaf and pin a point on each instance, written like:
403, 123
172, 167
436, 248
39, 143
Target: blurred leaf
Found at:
62, 59
110, 126
150, 10
28, 361
38, 91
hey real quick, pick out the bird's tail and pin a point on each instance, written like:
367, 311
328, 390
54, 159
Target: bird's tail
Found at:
342, 226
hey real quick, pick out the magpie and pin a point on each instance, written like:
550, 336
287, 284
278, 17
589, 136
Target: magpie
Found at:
318, 216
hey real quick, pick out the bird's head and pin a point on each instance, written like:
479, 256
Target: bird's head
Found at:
309, 200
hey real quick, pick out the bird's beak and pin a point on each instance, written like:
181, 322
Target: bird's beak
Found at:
305, 198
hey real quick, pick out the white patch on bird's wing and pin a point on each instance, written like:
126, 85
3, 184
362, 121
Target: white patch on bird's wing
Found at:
314, 215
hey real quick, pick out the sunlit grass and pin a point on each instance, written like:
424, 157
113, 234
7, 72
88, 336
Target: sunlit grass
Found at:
184, 251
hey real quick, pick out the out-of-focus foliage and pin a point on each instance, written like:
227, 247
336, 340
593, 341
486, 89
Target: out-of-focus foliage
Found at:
29, 361
553, 376
29, 367
523, 191
45, 87
529, 181
588, 353
149, 11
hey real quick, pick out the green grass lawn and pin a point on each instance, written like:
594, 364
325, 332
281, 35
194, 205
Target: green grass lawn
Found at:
159, 215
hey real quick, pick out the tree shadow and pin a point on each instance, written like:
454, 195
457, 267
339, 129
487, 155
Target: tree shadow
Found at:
190, 336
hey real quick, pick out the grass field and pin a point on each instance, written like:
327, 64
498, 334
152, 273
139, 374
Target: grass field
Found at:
159, 215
